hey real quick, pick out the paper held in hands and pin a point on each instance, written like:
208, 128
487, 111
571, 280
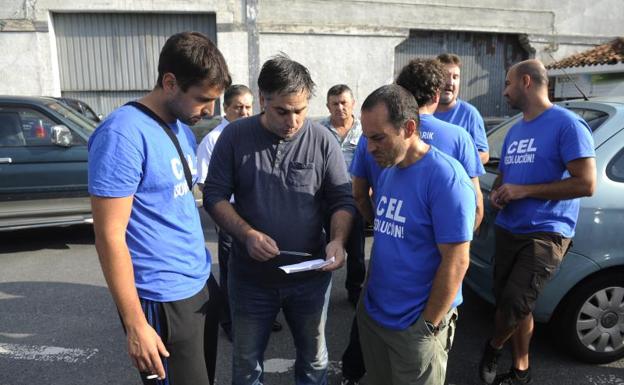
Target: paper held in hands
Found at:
307, 265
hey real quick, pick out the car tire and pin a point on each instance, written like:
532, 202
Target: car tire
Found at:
590, 324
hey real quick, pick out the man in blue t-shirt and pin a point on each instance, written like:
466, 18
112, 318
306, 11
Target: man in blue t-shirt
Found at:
453, 110
547, 163
424, 78
148, 233
424, 216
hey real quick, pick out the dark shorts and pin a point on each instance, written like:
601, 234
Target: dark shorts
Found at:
523, 264
182, 326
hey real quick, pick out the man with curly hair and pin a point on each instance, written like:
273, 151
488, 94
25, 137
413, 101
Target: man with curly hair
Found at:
424, 79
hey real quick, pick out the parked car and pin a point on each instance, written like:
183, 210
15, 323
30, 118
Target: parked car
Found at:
584, 302
83, 108
43, 163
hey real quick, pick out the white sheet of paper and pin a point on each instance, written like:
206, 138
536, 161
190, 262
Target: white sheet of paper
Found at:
307, 265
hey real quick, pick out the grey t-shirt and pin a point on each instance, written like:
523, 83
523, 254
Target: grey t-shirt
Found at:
283, 188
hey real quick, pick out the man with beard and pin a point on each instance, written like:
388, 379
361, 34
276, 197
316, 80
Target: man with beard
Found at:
286, 172
456, 111
547, 163
424, 215
147, 230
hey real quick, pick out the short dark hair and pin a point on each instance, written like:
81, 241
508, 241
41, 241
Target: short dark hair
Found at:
338, 90
423, 78
280, 74
233, 91
535, 69
449, 58
399, 102
192, 58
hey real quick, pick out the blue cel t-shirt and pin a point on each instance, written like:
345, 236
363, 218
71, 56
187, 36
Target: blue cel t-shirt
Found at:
130, 154
537, 152
465, 115
417, 207
453, 141
363, 164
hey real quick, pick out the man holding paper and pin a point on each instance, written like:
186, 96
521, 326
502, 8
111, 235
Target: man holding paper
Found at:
284, 170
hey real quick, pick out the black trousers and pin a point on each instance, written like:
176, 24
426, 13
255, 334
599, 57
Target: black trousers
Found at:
224, 250
189, 329
352, 360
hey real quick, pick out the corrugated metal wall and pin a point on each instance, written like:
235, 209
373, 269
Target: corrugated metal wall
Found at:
107, 59
485, 60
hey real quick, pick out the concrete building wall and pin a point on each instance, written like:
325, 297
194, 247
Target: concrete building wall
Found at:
362, 62
340, 41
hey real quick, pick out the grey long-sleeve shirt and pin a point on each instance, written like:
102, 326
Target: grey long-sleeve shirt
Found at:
282, 187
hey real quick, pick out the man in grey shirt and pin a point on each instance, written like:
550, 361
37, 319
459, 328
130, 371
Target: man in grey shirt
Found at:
284, 170
347, 130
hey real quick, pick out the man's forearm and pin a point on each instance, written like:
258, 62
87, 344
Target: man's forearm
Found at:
447, 281
110, 219
119, 274
479, 197
340, 227
484, 156
361, 195
226, 217
569, 188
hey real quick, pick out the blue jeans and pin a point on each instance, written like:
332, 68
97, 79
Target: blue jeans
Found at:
254, 309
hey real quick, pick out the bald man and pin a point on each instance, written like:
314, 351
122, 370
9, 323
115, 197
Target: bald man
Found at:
547, 164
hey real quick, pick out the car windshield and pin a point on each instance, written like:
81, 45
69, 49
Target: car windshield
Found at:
594, 119
82, 122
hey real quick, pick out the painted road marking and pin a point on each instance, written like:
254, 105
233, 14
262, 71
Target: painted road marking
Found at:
15, 335
46, 353
4, 295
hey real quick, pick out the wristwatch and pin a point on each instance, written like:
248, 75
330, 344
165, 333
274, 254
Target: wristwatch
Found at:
433, 329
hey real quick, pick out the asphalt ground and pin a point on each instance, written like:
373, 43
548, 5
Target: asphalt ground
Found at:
58, 324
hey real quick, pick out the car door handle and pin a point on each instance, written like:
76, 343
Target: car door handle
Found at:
6, 160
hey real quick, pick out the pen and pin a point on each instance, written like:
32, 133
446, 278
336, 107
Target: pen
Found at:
299, 253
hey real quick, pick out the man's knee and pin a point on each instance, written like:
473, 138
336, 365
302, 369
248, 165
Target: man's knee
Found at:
514, 306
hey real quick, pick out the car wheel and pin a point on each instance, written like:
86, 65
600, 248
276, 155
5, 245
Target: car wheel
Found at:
591, 323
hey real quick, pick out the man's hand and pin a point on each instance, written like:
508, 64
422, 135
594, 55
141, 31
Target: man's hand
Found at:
507, 193
145, 348
334, 249
260, 246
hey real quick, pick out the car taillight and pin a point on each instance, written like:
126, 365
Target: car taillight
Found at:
40, 132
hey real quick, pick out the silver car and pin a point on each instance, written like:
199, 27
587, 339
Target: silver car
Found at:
584, 302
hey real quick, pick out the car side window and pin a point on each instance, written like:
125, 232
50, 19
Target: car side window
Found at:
615, 170
496, 138
20, 127
594, 118
37, 127
11, 129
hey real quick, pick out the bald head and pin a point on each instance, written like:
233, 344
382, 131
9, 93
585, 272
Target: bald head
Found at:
534, 69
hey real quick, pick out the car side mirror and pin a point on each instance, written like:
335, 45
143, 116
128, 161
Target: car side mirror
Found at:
61, 136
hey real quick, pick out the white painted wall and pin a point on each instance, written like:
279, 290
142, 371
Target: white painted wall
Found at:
340, 41
25, 66
364, 63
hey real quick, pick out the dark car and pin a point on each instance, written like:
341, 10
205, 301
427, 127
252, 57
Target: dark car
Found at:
83, 108
43, 163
